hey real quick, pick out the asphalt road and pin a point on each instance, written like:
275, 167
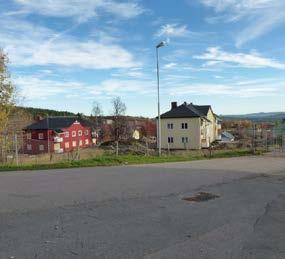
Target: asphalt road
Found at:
139, 211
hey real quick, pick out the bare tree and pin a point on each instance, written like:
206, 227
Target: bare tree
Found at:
120, 124
96, 109
96, 116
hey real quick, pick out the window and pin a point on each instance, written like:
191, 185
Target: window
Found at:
184, 139
66, 134
170, 125
86, 141
29, 147
73, 133
170, 139
80, 143
79, 133
41, 147
74, 143
66, 145
184, 125
41, 135
86, 132
29, 135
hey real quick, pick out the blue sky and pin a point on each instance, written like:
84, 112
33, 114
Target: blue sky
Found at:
65, 54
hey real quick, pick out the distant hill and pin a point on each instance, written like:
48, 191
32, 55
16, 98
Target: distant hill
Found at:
44, 112
260, 117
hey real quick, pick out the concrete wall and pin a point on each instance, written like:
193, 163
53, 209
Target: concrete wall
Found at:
193, 133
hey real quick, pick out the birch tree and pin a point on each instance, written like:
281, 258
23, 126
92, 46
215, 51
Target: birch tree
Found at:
7, 101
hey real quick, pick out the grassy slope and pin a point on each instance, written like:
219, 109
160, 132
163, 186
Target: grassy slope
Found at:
108, 160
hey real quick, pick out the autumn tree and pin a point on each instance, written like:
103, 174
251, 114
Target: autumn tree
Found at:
7, 101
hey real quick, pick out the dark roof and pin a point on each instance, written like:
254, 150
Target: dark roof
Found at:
204, 109
187, 111
57, 123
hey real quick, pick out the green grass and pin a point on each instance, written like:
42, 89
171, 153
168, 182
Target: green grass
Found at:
111, 160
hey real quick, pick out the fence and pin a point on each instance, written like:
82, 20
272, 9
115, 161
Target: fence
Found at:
13, 149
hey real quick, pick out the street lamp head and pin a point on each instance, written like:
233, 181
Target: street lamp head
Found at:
161, 44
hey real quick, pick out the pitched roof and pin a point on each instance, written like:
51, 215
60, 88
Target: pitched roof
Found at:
56, 123
204, 109
187, 111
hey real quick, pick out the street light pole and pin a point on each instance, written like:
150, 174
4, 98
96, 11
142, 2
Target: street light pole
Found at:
48, 144
161, 44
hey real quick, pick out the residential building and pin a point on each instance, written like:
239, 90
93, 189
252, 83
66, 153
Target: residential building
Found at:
58, 135
144, 127
189, 126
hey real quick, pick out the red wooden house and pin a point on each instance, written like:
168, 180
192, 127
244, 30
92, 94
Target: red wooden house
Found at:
58, 135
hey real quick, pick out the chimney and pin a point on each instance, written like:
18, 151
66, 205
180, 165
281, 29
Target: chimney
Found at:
173, 105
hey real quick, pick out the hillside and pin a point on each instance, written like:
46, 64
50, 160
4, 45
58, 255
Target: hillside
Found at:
260, 117
44, 112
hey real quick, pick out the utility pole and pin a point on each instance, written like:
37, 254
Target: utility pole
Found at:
253, 141
48, 144
16, 149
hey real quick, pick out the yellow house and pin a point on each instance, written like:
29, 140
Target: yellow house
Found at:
189, 126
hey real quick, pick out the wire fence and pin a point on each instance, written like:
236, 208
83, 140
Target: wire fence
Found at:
14, 149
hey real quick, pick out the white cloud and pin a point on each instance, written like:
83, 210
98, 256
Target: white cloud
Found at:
114, 87
239, 5
29, 45
172, 30
216, 56
35, 88
80, 9
170, 65
251, 89
262, 16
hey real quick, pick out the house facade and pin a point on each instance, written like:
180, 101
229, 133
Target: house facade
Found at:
58, 135
189, 126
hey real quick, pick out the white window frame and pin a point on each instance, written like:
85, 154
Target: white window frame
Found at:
184, 125
41, 147
86, 141
170, 125
40, 135
29, 147
80, 143
73, 133
66, 144
74, 144
86, 132
66, 134
185, 139
170, 140
79, 133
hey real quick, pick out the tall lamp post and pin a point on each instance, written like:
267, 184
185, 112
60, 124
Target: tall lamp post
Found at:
161, 44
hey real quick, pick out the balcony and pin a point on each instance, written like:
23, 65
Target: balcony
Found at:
57, 139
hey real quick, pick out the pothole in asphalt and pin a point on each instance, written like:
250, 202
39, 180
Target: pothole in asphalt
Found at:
201, 196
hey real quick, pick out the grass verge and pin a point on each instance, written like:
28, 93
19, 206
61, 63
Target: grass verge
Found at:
111, 160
